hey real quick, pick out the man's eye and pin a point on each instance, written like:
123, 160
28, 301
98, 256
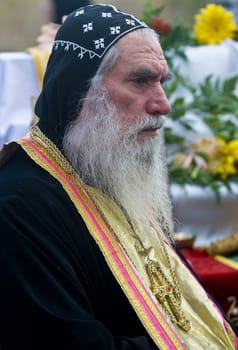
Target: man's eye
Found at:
140, 81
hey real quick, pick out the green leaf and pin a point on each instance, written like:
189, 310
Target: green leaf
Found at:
230, 84
172, 138
149, 13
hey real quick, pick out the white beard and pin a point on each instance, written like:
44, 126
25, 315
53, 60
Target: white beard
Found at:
111, 159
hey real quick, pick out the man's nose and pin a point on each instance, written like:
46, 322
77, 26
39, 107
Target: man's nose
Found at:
158, 102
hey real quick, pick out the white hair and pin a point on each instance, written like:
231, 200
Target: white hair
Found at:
133, 173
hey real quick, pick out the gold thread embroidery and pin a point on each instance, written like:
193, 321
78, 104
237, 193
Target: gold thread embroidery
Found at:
153, 331
111, 263
172, 300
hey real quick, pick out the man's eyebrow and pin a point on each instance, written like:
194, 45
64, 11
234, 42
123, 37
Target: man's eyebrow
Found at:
149, 74
143, 73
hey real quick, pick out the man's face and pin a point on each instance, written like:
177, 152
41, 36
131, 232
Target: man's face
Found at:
134, 84
113, 144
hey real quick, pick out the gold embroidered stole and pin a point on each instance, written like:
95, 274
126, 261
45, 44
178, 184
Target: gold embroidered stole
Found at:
136, 289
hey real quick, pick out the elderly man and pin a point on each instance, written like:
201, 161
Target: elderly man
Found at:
86, 255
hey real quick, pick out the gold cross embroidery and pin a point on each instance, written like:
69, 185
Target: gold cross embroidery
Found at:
167, 294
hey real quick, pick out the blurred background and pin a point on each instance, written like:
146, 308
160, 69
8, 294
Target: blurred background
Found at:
20, 21
201, 219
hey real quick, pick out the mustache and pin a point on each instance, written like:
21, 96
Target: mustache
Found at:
149, 122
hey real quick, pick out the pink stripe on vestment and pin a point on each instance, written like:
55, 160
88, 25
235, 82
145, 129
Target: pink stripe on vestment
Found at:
111, 249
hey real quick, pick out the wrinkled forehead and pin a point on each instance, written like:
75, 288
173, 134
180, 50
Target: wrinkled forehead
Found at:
90, 31
141, 49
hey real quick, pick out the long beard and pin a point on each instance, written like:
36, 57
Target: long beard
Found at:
112, 159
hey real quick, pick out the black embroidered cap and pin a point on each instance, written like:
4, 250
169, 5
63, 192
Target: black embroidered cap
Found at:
78, 49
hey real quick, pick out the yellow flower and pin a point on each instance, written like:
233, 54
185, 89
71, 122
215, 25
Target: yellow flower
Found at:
214, 24
232, 149
229, 159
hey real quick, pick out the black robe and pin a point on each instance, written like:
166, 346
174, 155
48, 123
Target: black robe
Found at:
57, 291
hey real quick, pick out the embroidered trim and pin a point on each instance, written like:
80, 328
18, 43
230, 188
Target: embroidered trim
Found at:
145, 307
45, 154
98, 43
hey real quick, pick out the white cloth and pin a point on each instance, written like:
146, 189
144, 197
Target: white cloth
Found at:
219, 60
197, 211
19, 88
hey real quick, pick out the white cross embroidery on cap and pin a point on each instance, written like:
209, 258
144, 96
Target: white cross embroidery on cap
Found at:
115, 30
99, 44
130, 22
80, 12
87, 27
106, 14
